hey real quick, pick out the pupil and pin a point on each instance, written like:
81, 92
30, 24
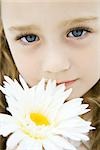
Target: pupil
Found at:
30, 38
77, 33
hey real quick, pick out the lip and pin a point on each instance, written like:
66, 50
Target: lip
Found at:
67, 83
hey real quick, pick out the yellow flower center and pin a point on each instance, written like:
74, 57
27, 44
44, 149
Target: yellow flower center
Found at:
39, 119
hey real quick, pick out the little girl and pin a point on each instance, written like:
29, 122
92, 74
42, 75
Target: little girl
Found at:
55, 40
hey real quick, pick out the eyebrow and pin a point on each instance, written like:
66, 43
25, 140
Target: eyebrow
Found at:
67, 22
24, 28
78, 20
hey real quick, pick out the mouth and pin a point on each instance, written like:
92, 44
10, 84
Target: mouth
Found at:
67, 83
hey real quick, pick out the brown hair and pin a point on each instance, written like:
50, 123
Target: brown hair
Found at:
7, 67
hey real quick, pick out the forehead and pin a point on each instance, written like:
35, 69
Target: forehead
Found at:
22, 11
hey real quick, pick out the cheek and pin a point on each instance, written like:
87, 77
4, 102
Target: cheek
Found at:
31, 72
29, 67
88, 62
90, 69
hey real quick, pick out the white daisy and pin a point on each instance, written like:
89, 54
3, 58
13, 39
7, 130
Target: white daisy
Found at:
40, 117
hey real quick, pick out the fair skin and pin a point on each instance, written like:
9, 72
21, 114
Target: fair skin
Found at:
63, 41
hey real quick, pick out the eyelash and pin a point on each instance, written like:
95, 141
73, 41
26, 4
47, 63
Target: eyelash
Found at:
86, 29
23, 35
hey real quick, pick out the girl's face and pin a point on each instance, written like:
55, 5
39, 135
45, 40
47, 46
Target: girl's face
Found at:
57, 40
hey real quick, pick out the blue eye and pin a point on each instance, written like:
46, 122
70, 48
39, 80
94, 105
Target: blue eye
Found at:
78, 32
28, 38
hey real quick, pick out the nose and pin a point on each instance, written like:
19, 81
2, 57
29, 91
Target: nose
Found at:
56, 62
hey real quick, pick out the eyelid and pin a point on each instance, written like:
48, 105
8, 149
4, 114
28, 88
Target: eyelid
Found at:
21, 35
88, 29
78, 27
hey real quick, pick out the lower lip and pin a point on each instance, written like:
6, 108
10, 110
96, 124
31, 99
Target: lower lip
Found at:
69, 83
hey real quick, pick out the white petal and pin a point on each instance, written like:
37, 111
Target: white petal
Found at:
48, 145
44, 98
64, 95
18, 87
10, 84
71, 109
68, 92
73, 135
60, 88
25, 86
78, 137
12, 88
14, 140
40, 87
39, 92
12, 92
36, 95
74, 128
56, 103
9, 80
2, 89
50, 87
75, 125
29, 144
60, 141
7, 125
75, 102
13, 104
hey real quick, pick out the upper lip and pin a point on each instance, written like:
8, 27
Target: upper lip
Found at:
68, 81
